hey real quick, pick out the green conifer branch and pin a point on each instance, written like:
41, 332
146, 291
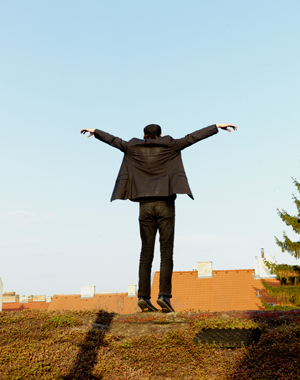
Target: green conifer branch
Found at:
289, 220
286, 274
297, 184
293, 248
297, 203
285, 294
276, 307
271, 266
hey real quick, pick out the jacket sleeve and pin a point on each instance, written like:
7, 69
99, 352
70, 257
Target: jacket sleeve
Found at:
192, 138
114, 141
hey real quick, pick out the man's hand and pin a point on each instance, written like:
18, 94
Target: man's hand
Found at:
91, 131
226, 126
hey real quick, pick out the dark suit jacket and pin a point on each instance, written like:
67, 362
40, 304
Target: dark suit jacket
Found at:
152, 168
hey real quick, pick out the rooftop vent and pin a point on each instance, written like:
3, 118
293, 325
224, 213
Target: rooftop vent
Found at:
131, 290
87, 291
204, 269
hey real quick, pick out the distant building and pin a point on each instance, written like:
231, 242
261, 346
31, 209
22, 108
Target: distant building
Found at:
13, 302
200, 289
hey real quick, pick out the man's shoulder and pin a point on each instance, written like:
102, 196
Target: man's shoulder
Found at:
167, 138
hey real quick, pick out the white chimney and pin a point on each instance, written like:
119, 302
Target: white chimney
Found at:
131, 289
260, 269
204, 269
256, 267
87, 291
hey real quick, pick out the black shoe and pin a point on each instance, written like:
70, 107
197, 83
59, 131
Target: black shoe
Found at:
146, 305
165, 304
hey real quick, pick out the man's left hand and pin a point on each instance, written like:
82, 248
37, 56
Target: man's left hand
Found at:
91, 131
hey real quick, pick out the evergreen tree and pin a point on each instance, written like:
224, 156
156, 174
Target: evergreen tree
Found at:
293, 248
289, 275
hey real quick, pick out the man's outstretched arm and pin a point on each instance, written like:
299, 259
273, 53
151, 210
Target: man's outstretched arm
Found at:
192, 138
105, 137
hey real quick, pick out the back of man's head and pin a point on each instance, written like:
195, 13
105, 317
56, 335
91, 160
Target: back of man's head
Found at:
152, 131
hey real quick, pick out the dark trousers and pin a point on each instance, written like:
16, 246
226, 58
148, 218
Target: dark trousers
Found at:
158, 215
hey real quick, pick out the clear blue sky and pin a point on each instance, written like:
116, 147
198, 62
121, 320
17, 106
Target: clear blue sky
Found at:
117, 66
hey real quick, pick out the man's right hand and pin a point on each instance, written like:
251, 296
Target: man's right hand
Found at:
226, 126
91, 131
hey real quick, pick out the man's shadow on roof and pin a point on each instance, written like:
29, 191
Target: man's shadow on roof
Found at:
88, 350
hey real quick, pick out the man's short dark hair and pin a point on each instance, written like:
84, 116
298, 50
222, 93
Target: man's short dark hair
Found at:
152, 131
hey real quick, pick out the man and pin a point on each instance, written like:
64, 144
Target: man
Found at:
152, 173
